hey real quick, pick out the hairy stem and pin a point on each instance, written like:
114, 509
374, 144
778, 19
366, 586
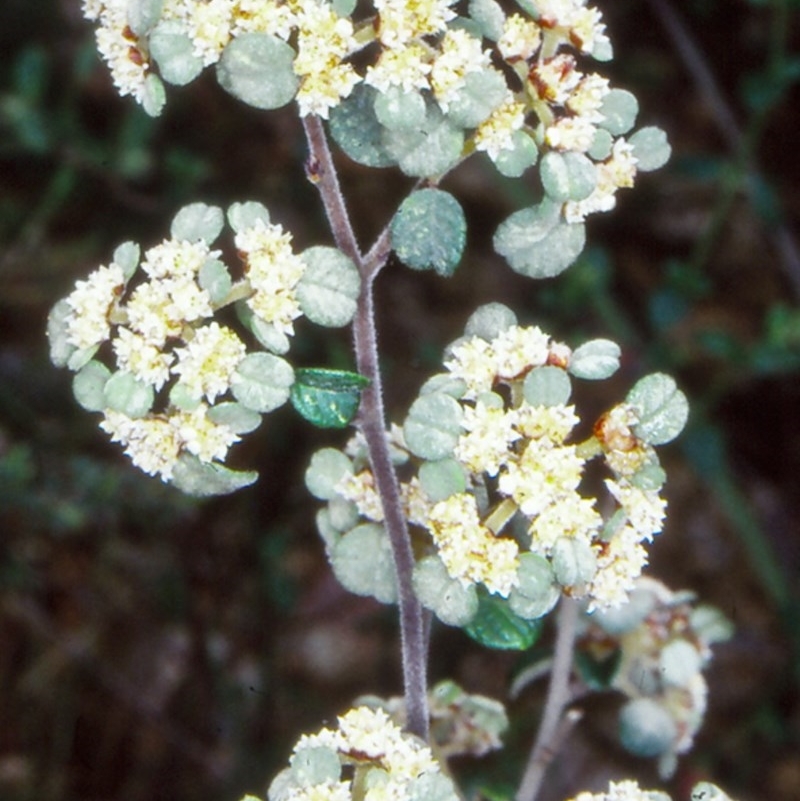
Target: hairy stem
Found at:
322, 173
555, 725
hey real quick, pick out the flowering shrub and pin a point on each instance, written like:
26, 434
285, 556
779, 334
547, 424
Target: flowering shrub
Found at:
497, 500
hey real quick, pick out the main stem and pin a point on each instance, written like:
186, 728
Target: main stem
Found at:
322, 173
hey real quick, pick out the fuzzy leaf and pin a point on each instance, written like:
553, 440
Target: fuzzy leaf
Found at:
262, 382
567, 176
513, 161
235, 416
547, 386
596, 359
442, 478
619, 109
198, 222
651, 148
126, 256
327, 468
172, 50
453, 603
400, 110
362, 561
204, 479
355, 127
88, 386
258, 69
433, 426
245, 215
60, 347
646, 729
327, 398
328, 291
154, 96
143, 15
482, 93
489, 320
215, 279
537, 592
662, 408
429, 231
125, 393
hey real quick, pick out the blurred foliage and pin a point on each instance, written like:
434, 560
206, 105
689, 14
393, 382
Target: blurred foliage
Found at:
156, 647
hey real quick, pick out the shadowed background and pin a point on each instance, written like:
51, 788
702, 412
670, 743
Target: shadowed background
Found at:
156, 647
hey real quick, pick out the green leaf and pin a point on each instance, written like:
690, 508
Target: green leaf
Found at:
327, 468
60, 347
619, 109
215, 279
154, 96
88, 386
513, 161
272, 338
400, 110
258, 69
536, 241
355, 127
235, 416
574, 561
315, 765
646, 729
483, 91
143, 15
452, 602
596, 359
598, 673
203, 479
537, 591
433, 426
362, 561
262, 382
490, 16
496, 626
429, 150
173, 52
489, 320
125, 393
661, 407
651, 148
547, 386
126, 256
429, 231
183, 398
602, 145
327, 398
567, 176
197, 222
442, 478
245, 215
329, 289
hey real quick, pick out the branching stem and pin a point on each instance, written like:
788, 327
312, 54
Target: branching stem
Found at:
372, 422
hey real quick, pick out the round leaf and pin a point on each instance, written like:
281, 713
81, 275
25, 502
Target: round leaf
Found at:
482, 93
60, 347
362, 561
661, 407
496, 626
236, 417
513, 161
266, 333
489, 320
537, 592
646, 729
574, 561
429, 231
651, 148
143, 15
327, 398
452, 602
547, 386
327, 468
215, 279
355, 127
490, 16
124, 393
328, 291
197, 222
154, 96
602, 145
88, 386
204, 479
400, 110
258, 69
567, 176
126, 256
173, 51
245, 215
433, 426
315, 765
262, 382
442, 479
596, 359
619, 109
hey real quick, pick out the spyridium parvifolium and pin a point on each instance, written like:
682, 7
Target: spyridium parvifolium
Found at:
512, 503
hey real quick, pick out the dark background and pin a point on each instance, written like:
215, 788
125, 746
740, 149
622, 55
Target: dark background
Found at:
155, 647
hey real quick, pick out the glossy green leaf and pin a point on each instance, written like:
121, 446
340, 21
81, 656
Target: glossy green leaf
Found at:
198, 222
661, 407
329, 289
597, 673
429, 231
203, 479
262, 382
173, 51
327, 398
258, 69
496, 626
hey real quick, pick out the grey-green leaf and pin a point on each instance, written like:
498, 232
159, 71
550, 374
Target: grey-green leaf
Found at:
547, 386
154, 96
490, 16
198, 222
513, 161
328, 291
215, 279
433, 426
258, 69
88, 386
60, 347
327, 468
442, 478
661, 407
483, 91
235, 416
651, 148
172, 50
125, 393
245, 215
429, 231
362, 561
203, 479
262, 382
567, 176
355, 127
619, 109
489, 320
400, 110
452, 602
126, 256
596, 359
536, 592
143, 15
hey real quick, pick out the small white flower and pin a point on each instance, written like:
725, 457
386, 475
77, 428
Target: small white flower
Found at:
91, 302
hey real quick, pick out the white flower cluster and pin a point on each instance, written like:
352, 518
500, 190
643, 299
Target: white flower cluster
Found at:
623, 791
384, 762
144, 337
419, 48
